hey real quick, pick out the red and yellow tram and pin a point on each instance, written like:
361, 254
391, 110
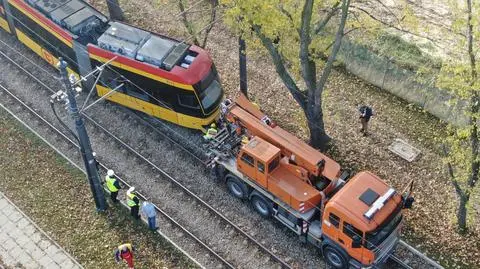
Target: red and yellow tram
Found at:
152, 73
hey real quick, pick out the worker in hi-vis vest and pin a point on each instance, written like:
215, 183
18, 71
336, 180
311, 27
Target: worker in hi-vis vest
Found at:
125, 252
133, 202
211, 132
112, 185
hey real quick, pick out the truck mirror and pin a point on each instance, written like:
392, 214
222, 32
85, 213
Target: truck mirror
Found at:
356, 241
407, 204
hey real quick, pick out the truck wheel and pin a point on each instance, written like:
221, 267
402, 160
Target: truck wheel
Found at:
236, 187
334, 258
261, 205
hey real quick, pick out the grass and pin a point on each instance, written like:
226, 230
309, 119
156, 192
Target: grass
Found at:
57, 197
405, 54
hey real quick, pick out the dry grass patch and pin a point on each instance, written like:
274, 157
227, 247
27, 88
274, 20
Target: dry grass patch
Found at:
58, 198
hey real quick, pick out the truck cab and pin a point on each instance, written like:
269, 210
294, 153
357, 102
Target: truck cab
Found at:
355, 222
362, 221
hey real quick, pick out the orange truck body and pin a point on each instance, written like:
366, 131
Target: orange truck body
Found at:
306, 157
281, 181
290, 170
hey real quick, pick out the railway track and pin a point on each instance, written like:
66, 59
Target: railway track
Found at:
142, 155
10, 98
224, 228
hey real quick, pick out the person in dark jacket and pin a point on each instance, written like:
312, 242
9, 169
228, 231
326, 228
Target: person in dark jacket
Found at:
366, 113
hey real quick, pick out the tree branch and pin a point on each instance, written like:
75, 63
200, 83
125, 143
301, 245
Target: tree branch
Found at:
280, 67
213, 15
335, 49
307, 65
289, 16
393, 26
321, 24
455, 184
187, 24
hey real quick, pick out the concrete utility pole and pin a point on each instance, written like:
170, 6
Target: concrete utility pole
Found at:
85, 147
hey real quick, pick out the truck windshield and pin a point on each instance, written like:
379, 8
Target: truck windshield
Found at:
375, 238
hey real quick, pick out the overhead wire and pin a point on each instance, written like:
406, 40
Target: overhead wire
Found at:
138, 87
318, 208
192, 153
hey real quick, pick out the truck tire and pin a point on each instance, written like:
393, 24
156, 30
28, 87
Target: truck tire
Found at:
236, 187
335, 258
262, 206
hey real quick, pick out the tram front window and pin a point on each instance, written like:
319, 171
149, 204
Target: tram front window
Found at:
210, 96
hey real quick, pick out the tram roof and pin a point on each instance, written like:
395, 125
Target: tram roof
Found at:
75, 16
143, 46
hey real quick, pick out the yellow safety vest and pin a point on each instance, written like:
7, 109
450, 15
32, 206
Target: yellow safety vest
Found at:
130, 201
128, 245
110, 184
211, 132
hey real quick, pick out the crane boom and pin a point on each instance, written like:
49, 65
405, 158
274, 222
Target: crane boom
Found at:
301, 154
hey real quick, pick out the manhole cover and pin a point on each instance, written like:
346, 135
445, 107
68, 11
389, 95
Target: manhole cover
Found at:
404, 150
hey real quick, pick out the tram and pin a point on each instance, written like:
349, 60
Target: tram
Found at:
148, 72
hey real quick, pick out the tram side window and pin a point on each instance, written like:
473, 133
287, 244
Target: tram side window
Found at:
188, 100
44, 38
111, 80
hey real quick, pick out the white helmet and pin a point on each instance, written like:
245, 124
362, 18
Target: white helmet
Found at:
132, 189
110, 173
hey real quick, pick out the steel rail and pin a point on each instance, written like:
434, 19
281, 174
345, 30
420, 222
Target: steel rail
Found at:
420, 254
123, 181
396, 259
189, 192
165, 174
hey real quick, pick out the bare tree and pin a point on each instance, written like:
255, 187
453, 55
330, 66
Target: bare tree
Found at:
194, 27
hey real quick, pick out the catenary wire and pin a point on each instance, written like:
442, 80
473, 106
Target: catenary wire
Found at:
193, 154
50, 89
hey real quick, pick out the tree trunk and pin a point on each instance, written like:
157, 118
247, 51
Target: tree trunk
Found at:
115, 10
318, 137
462, 214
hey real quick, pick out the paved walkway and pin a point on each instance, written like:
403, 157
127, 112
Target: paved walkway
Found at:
24, 245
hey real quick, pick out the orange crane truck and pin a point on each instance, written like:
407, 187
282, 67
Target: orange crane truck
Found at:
355, 222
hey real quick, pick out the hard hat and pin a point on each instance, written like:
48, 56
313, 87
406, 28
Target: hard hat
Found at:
110, 172
213, 125
94, 153
124, 248
132, 189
